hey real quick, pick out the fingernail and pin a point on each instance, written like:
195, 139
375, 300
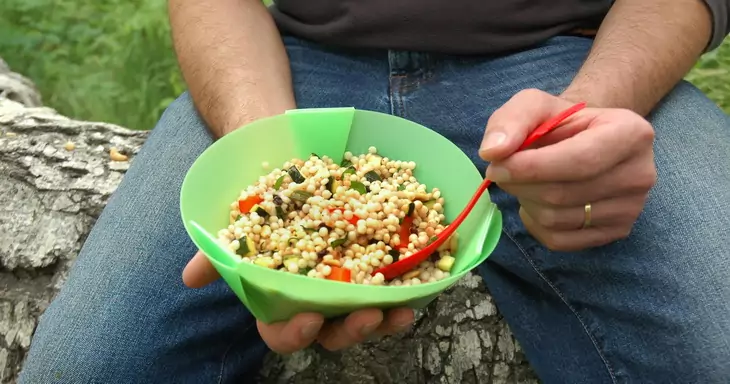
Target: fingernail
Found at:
493, 140
311, 329
367, 329
497, 173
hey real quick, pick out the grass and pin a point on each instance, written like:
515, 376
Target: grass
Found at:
113, 61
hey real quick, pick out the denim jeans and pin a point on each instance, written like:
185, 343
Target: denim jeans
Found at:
654, 307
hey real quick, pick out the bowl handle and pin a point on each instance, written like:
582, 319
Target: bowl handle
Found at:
324, 131
222, 259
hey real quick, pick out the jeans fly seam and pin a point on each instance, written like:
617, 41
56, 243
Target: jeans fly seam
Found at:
565, 301
230, 346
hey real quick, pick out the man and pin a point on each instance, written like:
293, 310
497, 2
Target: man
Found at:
613, 263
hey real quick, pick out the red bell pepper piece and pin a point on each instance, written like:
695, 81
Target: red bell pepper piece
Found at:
245, 205
340, 274
405, 232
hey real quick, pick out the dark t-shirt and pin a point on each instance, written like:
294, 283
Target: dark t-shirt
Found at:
455, 26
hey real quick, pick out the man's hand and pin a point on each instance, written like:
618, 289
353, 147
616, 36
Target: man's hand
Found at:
599, 156
306, 328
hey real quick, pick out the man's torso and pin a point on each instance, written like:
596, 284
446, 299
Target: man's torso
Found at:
454, 27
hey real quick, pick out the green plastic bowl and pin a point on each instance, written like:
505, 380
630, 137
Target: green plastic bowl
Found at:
235, 161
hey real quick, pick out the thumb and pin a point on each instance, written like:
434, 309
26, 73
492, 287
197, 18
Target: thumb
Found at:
199, 272
509, 125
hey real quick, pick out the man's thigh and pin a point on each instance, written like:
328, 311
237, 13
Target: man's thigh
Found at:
124, 314
650, 308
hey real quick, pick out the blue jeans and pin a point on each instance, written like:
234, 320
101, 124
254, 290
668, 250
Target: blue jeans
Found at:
654, 307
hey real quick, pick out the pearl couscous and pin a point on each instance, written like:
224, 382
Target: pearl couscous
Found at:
340, 221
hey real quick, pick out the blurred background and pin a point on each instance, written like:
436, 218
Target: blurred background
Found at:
112, 60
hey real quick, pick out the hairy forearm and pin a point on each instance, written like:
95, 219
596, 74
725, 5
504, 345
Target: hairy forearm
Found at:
643, 48
233, 61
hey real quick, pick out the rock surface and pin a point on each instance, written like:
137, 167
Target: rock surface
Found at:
55, 177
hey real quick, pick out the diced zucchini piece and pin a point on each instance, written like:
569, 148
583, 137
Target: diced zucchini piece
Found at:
295, 175
345, 163
395, 254
334, 184
301, 196
372, 176
289, 259
349, 170
260, 211
454, 243
402, 187
429, 204
247, 248
264, 261
446, 263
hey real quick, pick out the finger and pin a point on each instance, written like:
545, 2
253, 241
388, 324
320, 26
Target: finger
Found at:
604, 213
509, 125
610, 139
354, 329
633, 177
566, 130
290, 336
397, 320
199, 272
575, 240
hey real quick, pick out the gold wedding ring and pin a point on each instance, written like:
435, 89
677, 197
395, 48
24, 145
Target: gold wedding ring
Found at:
587, 216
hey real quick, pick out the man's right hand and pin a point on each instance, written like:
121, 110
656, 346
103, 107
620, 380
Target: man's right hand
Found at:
306, 328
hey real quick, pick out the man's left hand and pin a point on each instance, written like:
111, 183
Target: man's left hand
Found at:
602, 157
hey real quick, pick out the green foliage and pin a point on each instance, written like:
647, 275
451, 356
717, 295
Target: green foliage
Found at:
712, 75
112, 60
108, 60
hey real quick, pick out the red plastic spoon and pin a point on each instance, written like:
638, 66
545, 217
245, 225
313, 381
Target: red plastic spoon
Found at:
409, 263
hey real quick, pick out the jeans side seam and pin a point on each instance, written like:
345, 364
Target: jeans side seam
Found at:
565, 301
230, 346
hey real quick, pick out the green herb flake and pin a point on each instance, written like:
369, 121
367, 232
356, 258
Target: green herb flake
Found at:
279, 182
338, 242
358, 186
280, 212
